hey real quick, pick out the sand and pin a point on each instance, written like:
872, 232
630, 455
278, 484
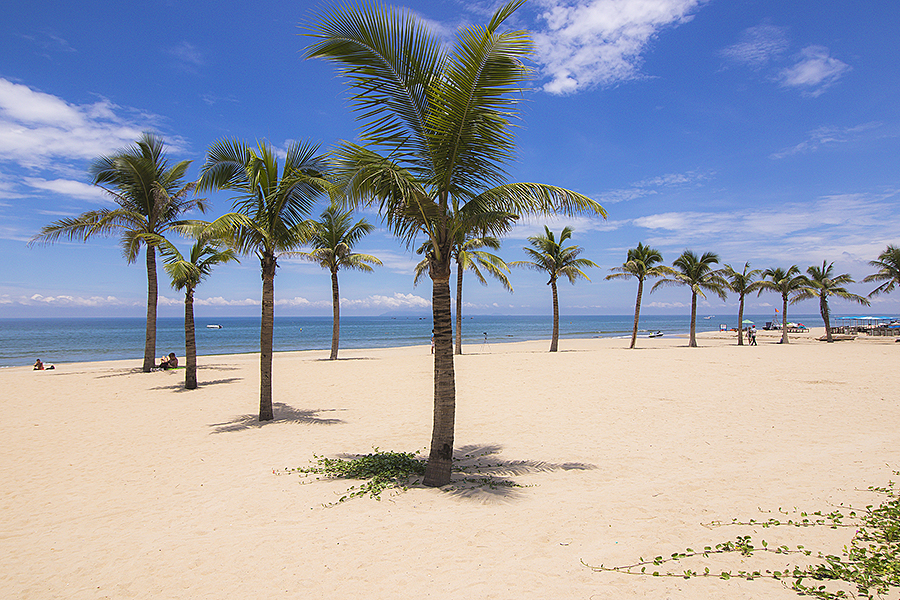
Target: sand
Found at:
120, 484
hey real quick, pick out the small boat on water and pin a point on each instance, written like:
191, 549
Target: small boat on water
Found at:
214, 326
655, 334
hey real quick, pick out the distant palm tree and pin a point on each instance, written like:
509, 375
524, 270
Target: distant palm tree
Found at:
549, 256
698, 274
888, 265
469, 256
151, 196
742, 283
821, 284
437, 132
788, 282
187, 274
270, 219
639, 263
332, 238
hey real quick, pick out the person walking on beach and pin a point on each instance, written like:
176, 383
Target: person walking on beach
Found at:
751, 335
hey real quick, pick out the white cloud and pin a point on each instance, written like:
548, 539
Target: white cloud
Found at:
826, 136
65, 300
188, 55
396, 301
600, 42
757, 46
220, 301
651, 186
68, 187
814, 71
530, 226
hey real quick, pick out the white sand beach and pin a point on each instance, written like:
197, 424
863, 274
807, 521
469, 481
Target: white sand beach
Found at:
120, 484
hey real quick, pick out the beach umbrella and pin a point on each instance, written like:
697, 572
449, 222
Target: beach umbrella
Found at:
745, 321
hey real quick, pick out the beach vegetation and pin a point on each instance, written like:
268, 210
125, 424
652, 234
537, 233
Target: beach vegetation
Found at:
742, 282
888, 265
640, 263
821, 283
270, 218
548, 255
436, 133
332, 238
787, 282
381, 470
151, 197
697, 273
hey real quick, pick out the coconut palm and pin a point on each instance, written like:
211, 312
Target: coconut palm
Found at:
549, 256
270, 219
698, 274
186, 274
332, 238
151, 196
742, 283
788, 282
822, 284
888, 265
437, 132
639, 264
469, 256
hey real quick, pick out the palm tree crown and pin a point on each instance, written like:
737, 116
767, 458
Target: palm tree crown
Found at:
822, 284
787, 282
640, 263
698, 274
888, 265
742, 282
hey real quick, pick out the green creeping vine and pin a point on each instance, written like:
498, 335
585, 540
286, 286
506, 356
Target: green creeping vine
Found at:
871, 563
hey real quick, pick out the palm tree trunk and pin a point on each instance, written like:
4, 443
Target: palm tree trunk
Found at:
823, 308
784, 334
152, 296
637, 311
267, 325
693, 341
740, 326
336, 315
190, 342
554, 341
440, 458
459, 278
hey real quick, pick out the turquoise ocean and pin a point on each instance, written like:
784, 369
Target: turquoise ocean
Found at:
62, 340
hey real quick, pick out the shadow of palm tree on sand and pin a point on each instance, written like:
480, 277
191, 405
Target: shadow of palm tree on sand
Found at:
283, 414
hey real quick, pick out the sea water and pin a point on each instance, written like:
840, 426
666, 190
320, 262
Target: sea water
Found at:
59, 340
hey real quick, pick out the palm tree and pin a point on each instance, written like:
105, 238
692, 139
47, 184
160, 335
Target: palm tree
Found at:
549, 256
888, 265
332, 238
788, 282
698, 274
821, 284
186, 274
742, 283
469, 256
639, 264
270, 219
436, 132
151, 196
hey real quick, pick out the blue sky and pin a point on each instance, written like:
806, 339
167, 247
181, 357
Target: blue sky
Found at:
764, 131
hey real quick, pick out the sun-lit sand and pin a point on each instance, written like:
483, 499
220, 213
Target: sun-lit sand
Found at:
119, 484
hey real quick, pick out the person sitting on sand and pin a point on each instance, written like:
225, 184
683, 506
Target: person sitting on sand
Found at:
39, 366
169, 362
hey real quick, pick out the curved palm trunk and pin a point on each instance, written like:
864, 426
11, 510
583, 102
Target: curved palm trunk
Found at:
267, 325
554, 341
459, 278
440, 458
336, 315
740, 326
190, 342
693, 342
823, 308
784, 333
152, 296
637, 311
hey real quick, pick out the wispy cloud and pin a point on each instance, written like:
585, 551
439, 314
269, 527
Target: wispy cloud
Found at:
814, 71
757, 46
188, 55
586, 43
653, 185
530, 226
397, 301
67, 187
828, 136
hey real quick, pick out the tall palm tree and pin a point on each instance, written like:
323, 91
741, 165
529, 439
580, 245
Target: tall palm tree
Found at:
822, 284
698, 274
436, 132
151, 197
788, 282
186, 274
332, 238
742, 283
639, 263
888, 265
549, 256
469, 256
270, 219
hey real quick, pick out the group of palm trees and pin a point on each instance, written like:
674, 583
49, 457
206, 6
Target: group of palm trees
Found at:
699, 274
